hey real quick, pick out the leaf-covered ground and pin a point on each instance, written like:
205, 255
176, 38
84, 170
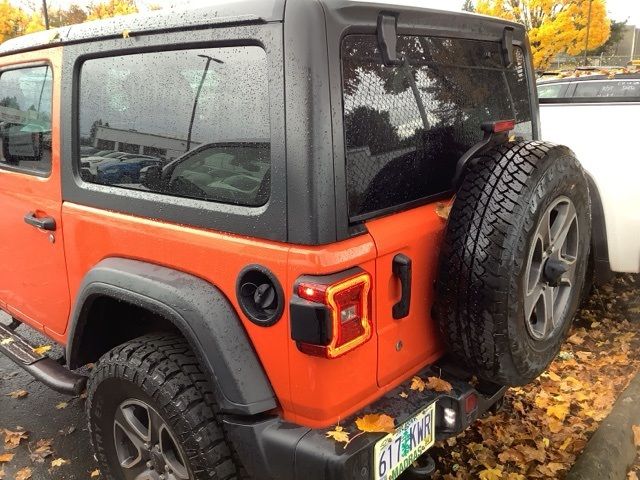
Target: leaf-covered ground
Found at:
545, 425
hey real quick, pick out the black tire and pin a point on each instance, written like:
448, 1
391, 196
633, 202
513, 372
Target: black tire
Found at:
160, 372
491, 232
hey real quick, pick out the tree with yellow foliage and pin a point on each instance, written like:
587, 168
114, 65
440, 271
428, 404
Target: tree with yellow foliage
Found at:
554, 26
111, 8
14, 21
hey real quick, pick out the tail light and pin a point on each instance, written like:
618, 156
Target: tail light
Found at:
330, 315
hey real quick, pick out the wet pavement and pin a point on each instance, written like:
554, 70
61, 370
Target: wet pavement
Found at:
37, 414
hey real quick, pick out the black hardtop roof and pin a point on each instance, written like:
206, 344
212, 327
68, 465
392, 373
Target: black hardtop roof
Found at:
223, 12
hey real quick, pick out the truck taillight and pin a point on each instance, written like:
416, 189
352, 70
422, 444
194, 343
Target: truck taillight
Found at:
331, 315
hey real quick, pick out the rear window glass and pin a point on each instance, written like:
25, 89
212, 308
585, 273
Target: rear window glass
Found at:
25, 118
189, 123
608, 89
407, 126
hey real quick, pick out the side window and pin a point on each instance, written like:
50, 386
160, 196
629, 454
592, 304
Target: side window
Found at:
608, 89
552, 90
189, 123
406, 126
25, 118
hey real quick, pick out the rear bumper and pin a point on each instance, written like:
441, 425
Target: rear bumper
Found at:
271, 448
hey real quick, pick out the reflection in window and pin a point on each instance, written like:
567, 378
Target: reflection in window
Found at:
550, 91
608, 89
191, 123
406, 126
25, 118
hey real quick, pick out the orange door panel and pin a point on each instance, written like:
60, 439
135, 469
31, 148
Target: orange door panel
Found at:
407, 343
33, 275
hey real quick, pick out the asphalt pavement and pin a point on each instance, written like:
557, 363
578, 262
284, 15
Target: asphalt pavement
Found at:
37, 414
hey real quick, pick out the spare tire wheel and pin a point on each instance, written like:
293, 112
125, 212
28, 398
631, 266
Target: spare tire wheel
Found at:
513, 260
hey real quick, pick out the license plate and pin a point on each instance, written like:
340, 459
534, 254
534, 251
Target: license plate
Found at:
394, 453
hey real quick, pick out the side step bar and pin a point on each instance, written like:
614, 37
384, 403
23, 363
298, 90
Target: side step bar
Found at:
41, 367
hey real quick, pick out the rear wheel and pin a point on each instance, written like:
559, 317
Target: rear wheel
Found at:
151, 414
514, 260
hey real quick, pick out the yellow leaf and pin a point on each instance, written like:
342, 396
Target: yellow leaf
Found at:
417, 384
17, 394
23, 474
438, 385
58, 462
6, 457
516, 476
7, 341
490, 474
560, 411
554, 376
443, 210
636, 435
62, 405
338, 434
42, 349
376, 422
632, 476
126, 34
404, 394
95, 473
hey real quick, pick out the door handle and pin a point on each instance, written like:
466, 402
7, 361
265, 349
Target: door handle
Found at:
43, 223
401, 268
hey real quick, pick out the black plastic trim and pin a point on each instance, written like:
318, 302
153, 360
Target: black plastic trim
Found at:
274, 449
279, 292
599, 244
589, 100
198, 310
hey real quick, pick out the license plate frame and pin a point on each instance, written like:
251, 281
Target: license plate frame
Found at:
395, 452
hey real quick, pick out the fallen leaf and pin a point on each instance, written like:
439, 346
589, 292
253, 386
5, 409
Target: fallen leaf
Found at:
42, 349
23, 474
438, 385
443, 210
13, 439
417, 384
6, 457
17, 394
404, 394
126, 34
575, 339
636, 435
490, 474
630, 476
338, 434
95, 473
2, 474
560, 411
554, 377
7, 341
376, 422
58, 462
42, 450
62, 405
67, 431
511, 455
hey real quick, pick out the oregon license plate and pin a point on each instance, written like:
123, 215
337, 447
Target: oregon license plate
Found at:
394, 453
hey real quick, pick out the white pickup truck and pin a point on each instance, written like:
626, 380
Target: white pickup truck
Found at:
598, 117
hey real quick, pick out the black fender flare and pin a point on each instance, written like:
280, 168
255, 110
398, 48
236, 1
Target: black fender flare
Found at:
199, 310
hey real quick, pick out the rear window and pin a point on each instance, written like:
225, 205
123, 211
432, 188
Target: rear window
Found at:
188, 123
407, 126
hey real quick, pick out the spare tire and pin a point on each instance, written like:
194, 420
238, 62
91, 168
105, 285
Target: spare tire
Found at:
513, 260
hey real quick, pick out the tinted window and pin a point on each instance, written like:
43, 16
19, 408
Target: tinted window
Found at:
191, 123
407, 126
614, 88
551, 90
25, 118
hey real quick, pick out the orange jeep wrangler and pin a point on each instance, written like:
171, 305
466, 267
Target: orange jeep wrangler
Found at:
236, 213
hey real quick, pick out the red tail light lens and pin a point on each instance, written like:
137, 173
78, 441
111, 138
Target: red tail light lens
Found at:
347, 321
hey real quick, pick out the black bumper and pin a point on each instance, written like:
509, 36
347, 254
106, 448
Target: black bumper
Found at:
273, 449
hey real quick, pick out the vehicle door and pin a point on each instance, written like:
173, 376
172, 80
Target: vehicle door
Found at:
33, 275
